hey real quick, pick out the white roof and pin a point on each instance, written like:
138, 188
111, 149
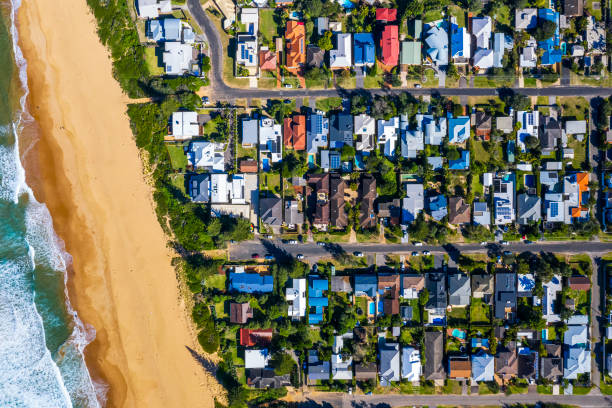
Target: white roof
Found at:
434, 132
528, 58
237, 188
530, 122
483, 58
296, 297
481, 28
341, 56
413, 203
208, 155
185, 125
387, 134
487, 179
411, 364
575, 127
525, 17
256, 358
152, 8
250, 15
575, 335
341, 369
364, 125
177, 57
219, 188
577, 361
270, 139
437, 45
483, 367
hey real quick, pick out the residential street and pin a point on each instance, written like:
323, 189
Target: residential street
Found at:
313, 252
363, 401
221, 92
597, 280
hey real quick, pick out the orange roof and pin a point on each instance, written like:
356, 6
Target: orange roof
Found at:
248, 166
583, 182
267, 60
250, 338
460, 369
389, 44
294, 131
295, 39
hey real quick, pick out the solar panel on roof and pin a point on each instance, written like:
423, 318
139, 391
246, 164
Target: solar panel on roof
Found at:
554, 209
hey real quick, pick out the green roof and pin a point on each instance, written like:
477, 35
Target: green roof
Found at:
415, 28
411, 53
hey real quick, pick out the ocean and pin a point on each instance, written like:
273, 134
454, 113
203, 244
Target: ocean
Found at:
41, 336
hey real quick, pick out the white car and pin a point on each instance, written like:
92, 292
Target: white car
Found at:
358, 254
426, 253
418, 244
505, 243
415, 253
299, 256
483, 243
292, 242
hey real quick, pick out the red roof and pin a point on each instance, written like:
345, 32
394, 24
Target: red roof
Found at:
386, 14
295, 132
250, 338
389, 45
267, 60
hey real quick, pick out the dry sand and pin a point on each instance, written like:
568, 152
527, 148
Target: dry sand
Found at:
90, 177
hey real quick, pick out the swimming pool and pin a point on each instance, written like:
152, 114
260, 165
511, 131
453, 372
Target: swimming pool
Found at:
347, 4
460, 334
372, 308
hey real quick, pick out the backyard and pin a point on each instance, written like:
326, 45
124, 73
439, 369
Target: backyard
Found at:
458, 316
178, 158
267, 26
479, 312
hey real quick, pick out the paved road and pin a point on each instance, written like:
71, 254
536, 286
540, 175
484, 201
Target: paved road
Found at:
221, 91
322, 400
313, 252
598, 281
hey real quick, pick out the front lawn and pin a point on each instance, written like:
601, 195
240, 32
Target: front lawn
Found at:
178, 158
451, 387
154, 61
270, 182
479, 312
328, 104
574, 107
216, 281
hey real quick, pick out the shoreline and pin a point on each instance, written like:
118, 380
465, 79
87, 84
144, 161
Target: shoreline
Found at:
82, 162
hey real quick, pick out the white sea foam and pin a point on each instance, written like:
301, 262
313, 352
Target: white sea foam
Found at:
29, 376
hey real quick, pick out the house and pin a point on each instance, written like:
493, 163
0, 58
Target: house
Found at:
317, 132
459, 367
529, 57
330, 160
462, 162
389, 45
256, 358
501, 43
199, 188
341, 284
434, 354
317, 299
551, 366
458, 211
503, 198
293, 216
270, 143
250, 283
577, 361
322, 24
437, 207
267, 60
436, 305
388, 290
579, 283
271, 212
434, 132
410, 54
341, 57
504, 124
550, 134
481, 29
250, 135
208, 156
341, 368
459, 290
482, 286
576, 196
247, 52
364, 127
390, 212
461, 44
436, 42
294, 132
527, 363
549, 301
315, 56
367, 196
483, 367
317, 370
337, 212
295, 42
248, 166
575, 127
526, 284
411, 286
240, 313
413, 203
406, 313
251, 337
505, 295
266, 378
411, 364
365, 371
482, 121
595, 37
458, 129
222, 191
389, 357
319, 184
529, 209
177, 58
412, 141
366, 285
167, 29
387, 135
525, 19
573, 8
296, 298
341, 131
436, 162
529, 122
364, 50
506, 361
152, 8
415, 28
386, 15
483, 58
552, 54
482, 215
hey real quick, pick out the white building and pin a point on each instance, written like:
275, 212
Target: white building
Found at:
530, 122
296, 298
412, 140
503, 199
387, 135
341, 369
152, 8
256, 358
177, 58
483, 58
207, 155
270, 140
365, 129
481, 29
341, 56
185, 125
434, 132
224, 191
411, 364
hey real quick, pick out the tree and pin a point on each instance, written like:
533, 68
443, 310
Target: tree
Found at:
451, 71
316, 74
424, 297
532, 142
325, 42
282, 363
545, 30
348, 152
453, 153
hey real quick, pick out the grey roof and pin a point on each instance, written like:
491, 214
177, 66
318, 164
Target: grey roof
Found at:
550, 130
341, 284
481, 214
199, 188
315, 56
551, 367
459, 290
292, 215
436, 285
249, 131
317, 370
341, 130
529, 208
504, 123
505, 293
271, 211
434, 353
406, 312
575, 127
261, 378
389, 362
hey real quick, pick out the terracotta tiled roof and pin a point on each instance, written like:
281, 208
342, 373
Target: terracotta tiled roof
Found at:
295, 41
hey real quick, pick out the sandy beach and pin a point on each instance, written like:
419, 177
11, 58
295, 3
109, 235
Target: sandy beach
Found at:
85, 167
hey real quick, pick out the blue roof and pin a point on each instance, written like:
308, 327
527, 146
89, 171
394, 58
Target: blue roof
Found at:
250, 283
366, 284
363, 48
462, 134
462, 163
550, 15
318, 302
315, 318
552, 57
317, 286
457, 40
172, 29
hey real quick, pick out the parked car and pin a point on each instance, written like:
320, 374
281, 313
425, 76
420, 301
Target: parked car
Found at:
268, 236
415, 253
299, 256
426, 253
255, 256
418, 244
320, 243
358, 254
205, 100
483, 243
269, 257
292, 242
507, 253
505, 243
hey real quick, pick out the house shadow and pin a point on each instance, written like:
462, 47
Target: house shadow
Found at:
204, 362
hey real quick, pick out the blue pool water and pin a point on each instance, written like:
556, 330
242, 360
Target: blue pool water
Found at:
265, 164
460, 334
347, 4
372, 308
